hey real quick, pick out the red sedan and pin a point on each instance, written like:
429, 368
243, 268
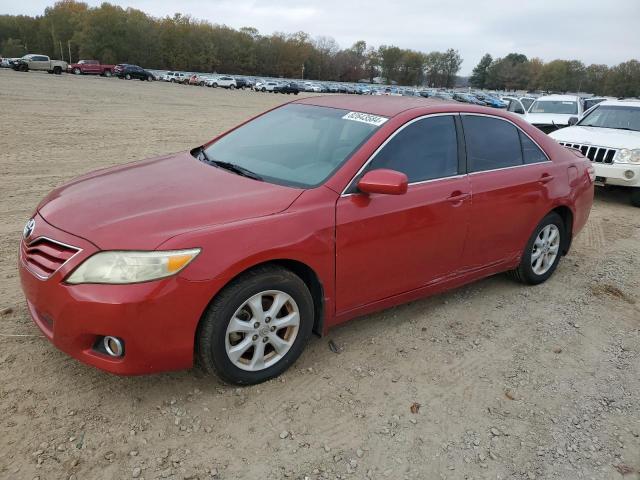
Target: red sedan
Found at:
304, 217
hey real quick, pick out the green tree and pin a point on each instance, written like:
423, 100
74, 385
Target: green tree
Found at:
478, 77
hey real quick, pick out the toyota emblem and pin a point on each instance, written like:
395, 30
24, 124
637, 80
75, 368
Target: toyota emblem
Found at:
29, 228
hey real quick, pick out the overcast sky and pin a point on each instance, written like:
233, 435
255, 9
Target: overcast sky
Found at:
594, 31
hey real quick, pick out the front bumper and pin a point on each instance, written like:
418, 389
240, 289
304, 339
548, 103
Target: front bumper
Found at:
156, 320
622, 174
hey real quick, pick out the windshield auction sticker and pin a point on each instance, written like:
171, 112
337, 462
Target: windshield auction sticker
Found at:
365, 118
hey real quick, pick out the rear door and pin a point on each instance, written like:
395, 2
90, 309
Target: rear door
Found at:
510, 180
391, 244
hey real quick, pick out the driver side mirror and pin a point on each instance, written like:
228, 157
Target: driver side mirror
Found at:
573, 121
384, 181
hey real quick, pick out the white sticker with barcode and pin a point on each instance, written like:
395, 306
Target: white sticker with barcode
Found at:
365, 118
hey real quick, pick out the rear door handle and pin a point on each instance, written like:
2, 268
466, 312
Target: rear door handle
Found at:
545, 178
458, 196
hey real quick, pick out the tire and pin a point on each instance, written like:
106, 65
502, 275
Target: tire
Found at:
150, 78
526, 272
635, 197
213, 337
214, 85
232, 87
173, 80
264, 89
127, 76
77, 71
107, 73
57, 70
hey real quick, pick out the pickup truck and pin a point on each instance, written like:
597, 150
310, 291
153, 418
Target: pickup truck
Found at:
39, 62
90, 67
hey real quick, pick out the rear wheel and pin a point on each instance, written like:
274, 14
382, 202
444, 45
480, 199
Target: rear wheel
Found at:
77, 71
128, 76
107, 73
150, 78
543, 251
256, 327
57, 70
635, 197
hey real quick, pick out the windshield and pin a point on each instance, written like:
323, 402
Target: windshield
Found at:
613, 116
563, 107
296, 145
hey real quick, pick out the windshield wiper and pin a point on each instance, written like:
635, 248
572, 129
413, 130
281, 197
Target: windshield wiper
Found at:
232, 167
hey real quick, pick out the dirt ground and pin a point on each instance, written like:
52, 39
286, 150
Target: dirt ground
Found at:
512, 382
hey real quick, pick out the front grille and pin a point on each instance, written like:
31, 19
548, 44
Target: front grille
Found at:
593, 153
44, 256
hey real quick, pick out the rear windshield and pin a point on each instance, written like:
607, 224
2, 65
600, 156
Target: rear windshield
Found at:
563, 107
296, 145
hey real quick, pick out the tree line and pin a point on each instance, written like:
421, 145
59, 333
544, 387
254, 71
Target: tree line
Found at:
112, 34
516, 72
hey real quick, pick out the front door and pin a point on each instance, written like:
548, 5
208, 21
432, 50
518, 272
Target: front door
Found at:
391, 244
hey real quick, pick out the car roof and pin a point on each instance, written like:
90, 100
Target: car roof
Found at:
624, 103
560, 98
385, 106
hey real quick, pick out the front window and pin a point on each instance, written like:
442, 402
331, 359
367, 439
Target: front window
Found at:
561, 107
619, 117
296, 145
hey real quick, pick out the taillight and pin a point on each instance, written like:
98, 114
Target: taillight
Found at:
592, 173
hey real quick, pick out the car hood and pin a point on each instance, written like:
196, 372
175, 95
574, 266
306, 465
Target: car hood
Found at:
602, 137
548, 118
142, 204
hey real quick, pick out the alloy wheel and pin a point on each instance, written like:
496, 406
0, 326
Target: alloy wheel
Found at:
545, 249
262, 330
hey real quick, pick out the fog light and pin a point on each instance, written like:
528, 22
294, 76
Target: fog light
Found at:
113, 346
629, 174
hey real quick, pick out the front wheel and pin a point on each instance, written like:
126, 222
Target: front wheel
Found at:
256, 327
150, 78
57, 70
107, 73
635, 197
543, 251
77, 71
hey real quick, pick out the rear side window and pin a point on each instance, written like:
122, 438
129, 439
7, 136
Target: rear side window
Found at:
491, 143
424, 150
530, 151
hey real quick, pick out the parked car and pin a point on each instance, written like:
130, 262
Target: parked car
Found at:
609, 136
128, 72
90, 67
196, 80
490, 100
468, 98
552, 112
287, 87
224, 82
39, 63
243, 83
175, 77
236, 251
266, 86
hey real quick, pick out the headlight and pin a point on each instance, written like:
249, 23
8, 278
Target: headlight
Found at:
624, 155
120, 267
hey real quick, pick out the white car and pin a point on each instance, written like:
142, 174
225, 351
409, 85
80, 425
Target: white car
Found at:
175, 77
224, 82
609, 136
265, 86
551, 112
312, 87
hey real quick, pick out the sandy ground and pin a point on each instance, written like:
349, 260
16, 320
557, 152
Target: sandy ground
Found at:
513, 382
